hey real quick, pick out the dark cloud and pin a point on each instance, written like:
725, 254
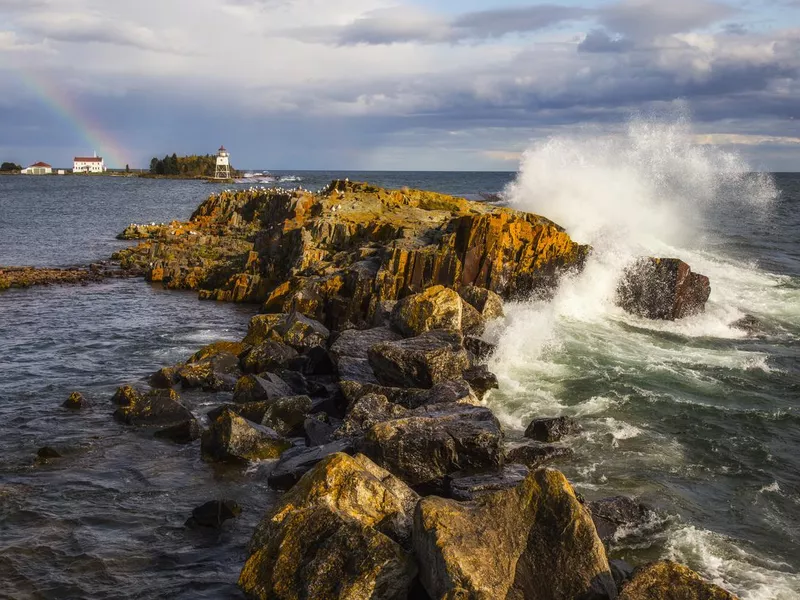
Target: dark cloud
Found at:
599, 41
499, 22
650, 18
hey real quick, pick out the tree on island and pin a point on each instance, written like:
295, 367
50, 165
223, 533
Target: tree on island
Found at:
184, 166
10, 166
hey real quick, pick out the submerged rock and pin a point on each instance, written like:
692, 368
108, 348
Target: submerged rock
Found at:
156, 408
427, 444
670, 581
76, 401
232, 438
662, 288
182, 433
338, 533
422, 361
46, 452
214, 513
551, 430
611, 515
750, 324
531, 542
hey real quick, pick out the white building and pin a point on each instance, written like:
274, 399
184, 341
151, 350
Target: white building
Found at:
88, 164
223, 170
39, 168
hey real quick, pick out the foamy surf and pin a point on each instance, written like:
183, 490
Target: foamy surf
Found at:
666, 406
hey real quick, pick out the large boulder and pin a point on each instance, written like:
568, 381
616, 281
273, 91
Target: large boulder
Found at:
471, 486
532, 542
340, 532
535, 454
349, 352
551, 430
212, 368
156, 408
437, 307
427, 444
662, 288
366, 412
232, 438
252, 411
255, 388
420, 362
454, 390
670, 581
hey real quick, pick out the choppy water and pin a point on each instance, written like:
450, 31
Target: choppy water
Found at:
697, 418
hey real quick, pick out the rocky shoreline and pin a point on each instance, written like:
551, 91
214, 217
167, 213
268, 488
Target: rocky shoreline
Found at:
365, 379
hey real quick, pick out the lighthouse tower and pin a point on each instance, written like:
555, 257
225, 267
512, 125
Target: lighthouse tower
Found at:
223, 170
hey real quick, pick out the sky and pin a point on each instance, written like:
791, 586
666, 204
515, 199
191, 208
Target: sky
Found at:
390, 84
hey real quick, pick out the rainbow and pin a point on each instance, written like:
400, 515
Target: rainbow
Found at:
65, 106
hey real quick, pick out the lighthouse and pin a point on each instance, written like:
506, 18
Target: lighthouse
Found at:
223, 170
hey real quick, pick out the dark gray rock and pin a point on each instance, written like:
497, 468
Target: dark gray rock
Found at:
551, 430
302, 386
47, 452
319, 429
750, 324
536, 454
612, 514
621, 571
422, 361
478, 348
469, 487
428, 444
316, 361
214, 514
296, 462
356, 369
481, 380
182, 433
366, 412
355, 343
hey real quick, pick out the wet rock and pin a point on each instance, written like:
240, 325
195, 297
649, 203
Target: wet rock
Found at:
472, 322
156, 408
269, 355
319, 430
218, 374
355, 369
262, 328
437, 307
337, 533
470, 487
612, 515
621, 571
287, 415
536, 454
420, 362
232, 438
216, 349
126, 395
165, 377
531, 542
76, 401
182, 433
446, 391
214, 513
486, 302
46, 452
424, 446
255, 388
551, 430
670, 581
366, 412
296, 462
478, 348
662, 288
481, 380
750, 324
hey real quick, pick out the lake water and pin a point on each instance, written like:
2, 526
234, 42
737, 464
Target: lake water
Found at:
695, 417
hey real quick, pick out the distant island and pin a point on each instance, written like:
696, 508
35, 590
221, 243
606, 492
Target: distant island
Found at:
189, 167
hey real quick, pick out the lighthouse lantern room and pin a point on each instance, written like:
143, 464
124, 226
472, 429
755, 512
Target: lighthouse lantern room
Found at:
223, 170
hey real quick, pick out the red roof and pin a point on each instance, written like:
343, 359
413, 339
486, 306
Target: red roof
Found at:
222, 149
88, 159
41, 164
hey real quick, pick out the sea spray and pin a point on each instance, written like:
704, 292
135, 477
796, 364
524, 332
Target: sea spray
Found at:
650, 191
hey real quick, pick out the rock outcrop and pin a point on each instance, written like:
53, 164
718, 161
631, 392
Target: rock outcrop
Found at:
341, 532
662, 288
293, 252
156, 408
232, 438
